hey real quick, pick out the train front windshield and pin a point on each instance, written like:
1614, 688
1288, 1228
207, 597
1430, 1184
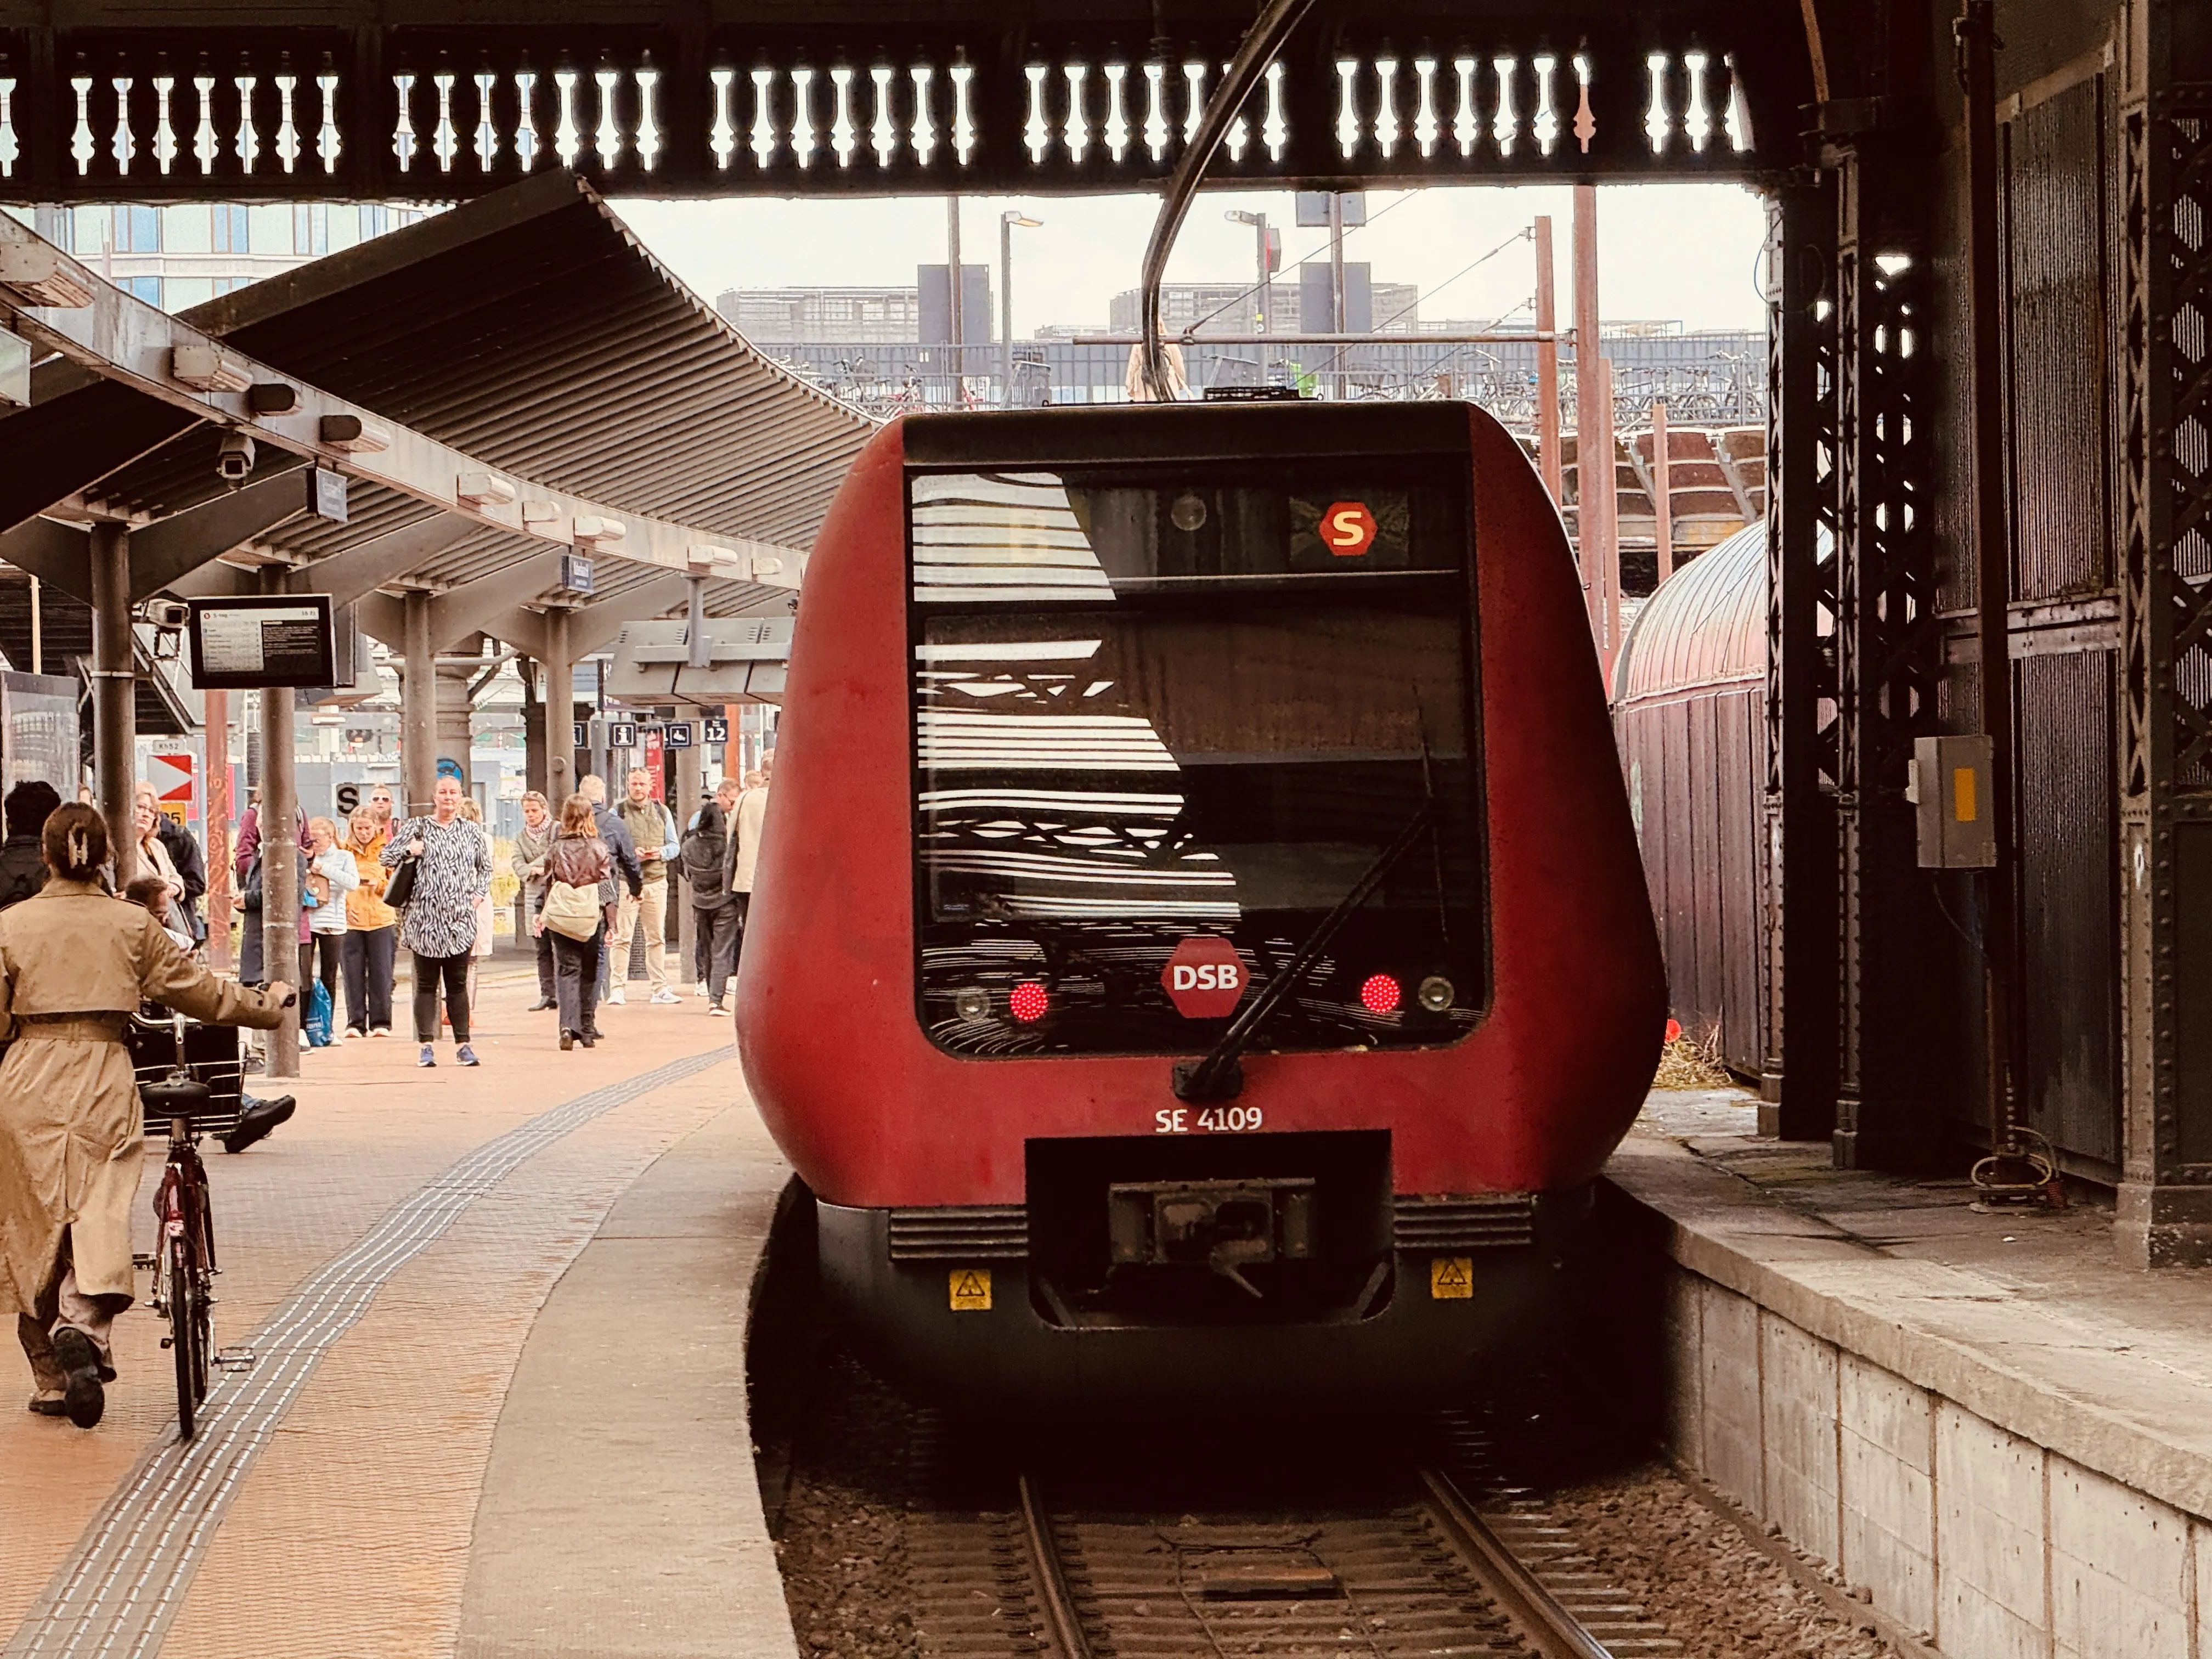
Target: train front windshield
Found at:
1166, 723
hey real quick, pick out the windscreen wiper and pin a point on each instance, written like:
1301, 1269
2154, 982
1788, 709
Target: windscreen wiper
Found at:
1216, 1075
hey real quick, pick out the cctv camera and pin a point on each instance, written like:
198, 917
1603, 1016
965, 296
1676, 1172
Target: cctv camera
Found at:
234, 459
168, 613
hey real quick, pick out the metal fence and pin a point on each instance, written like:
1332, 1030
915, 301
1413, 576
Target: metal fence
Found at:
1710, 379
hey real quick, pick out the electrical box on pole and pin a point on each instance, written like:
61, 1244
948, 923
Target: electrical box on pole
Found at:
1949, 787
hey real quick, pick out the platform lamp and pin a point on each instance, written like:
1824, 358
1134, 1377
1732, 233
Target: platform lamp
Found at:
1007, 222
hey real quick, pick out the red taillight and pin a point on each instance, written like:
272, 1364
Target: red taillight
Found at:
1380, 995
1028, 1001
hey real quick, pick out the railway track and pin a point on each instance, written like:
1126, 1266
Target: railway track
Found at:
1427, 1576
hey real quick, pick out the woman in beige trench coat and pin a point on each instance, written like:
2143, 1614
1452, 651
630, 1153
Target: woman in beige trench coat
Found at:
74, 964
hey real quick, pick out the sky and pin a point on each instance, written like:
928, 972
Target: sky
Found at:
1666, 252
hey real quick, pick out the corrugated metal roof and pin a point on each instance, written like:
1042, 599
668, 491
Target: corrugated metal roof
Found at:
1706, 626
528, 329
531, 328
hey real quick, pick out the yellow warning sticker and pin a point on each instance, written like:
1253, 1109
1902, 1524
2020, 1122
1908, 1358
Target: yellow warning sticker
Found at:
1451, 1278
971, 1290
1963, 806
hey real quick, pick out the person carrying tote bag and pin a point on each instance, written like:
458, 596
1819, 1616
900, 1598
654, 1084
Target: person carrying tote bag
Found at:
575, 865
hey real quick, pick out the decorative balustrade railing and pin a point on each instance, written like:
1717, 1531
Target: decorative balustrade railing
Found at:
406, 112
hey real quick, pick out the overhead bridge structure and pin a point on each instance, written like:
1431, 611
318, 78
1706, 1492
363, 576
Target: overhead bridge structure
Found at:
356, 100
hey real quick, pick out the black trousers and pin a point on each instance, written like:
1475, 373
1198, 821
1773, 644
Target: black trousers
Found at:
716, 932
576, 979
327, 946
545, 966
453, 970
368, 958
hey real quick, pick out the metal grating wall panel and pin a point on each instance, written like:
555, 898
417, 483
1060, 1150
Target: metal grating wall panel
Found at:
2068, 829
2058, 380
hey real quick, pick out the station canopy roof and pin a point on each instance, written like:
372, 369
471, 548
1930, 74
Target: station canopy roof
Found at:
526, 334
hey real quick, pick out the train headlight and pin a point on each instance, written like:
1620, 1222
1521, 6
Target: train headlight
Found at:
1189, 512
972, 1004
1436, 994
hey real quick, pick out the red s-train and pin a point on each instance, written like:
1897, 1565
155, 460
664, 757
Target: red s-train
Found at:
1199, 940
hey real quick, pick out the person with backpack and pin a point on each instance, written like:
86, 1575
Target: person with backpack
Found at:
713, 907
22, 865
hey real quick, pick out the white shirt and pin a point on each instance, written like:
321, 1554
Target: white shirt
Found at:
330, 917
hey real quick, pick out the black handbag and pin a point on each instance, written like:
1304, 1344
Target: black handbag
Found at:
401, 887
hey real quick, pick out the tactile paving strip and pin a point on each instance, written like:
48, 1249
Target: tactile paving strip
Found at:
115, 1595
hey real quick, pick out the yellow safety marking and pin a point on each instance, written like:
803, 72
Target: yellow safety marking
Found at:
1451, 1278
1962, 793
971, 1290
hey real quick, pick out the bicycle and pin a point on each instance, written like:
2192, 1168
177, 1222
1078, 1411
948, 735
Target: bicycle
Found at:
183, 1261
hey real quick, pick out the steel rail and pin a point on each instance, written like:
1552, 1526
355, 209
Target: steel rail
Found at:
1051, 1575
1555, 1632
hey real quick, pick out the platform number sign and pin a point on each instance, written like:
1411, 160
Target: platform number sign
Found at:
1204, 977
969, 1289
621, 734
582, 739
717, 728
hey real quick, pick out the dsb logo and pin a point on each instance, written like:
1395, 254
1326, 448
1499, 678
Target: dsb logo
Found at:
1204, 977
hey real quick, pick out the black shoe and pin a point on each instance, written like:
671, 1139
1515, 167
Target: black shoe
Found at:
568, 1041
45, 1408
589, 1039
542, 1005
83, 1397
260, 1117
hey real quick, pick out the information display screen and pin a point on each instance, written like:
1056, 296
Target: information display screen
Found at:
260, 640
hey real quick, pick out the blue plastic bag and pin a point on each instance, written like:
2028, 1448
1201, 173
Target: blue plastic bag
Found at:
317, 1025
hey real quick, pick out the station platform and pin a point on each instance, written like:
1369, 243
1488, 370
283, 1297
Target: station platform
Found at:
499, 1407
1998, 1434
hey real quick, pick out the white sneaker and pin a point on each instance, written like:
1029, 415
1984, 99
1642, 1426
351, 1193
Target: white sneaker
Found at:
700, 992
616, 997
665, 996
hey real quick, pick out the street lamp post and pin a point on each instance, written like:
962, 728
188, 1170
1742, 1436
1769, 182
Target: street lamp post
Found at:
1265, 263
1007, 220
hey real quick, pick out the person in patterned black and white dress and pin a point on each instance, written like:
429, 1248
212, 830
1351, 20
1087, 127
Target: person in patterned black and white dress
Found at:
439, 924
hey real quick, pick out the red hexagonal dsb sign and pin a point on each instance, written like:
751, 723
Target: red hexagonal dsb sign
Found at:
1204, 977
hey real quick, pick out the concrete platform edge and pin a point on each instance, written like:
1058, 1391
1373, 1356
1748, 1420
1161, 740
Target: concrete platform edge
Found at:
1997, 1510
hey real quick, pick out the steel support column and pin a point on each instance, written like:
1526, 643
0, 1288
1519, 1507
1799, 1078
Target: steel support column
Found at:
216, 746
1797, 969
280, 868
115, 692
1893, 1062
1547, 365
1593, 435
560, 709
2165, 1210
686, 768
418, 703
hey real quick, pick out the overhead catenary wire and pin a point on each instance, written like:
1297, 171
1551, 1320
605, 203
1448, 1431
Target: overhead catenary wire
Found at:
1253, 53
